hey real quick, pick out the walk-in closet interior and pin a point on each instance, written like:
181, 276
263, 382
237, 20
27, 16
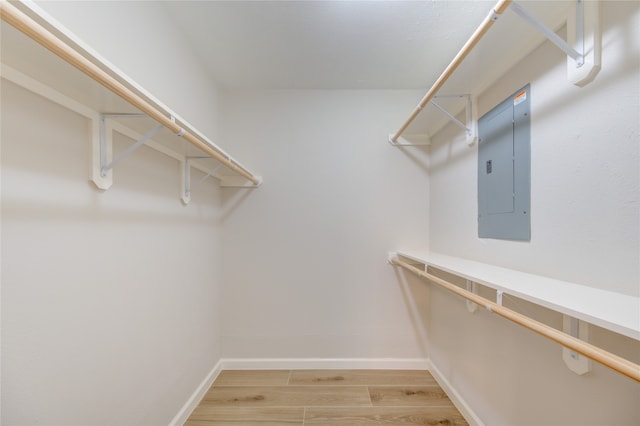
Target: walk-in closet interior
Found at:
369, 194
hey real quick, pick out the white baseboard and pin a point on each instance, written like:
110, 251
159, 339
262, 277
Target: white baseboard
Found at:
196, 396
324, 363
470, 416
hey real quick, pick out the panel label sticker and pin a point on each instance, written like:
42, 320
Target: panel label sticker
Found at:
520, 98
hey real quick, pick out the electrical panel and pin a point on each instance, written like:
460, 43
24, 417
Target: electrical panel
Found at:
504, 169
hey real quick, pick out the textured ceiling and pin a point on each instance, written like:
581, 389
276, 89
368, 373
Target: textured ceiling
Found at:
353, 44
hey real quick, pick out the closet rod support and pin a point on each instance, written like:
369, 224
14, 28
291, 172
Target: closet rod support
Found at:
421, 139
472, 288
207, 176
451, 117
574, 361
181, 132
471, 127
577, 56
187, 188
103, 147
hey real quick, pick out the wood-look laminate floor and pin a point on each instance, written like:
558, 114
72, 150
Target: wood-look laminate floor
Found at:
325, 397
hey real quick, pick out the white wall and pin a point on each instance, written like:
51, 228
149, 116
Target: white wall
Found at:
305, 255
110, 301
585, 198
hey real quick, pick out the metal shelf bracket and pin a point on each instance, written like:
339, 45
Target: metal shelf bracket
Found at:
470, 127
473, 288
185, 173
103, 163
422, 139
583, 43
577, 363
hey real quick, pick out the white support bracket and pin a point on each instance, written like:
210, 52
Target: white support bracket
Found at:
577, 363
583, 44
583, 31
99, 133
238, 182
422, 139
470, 127
102, 147
224, 181
106, 167
473, 288
101, 152
185, 182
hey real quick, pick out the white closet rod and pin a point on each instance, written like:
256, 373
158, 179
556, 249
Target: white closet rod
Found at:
608, 359
497, 10
22, 22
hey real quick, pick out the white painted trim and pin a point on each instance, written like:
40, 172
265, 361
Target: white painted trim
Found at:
196, 396
324, 363
467, 412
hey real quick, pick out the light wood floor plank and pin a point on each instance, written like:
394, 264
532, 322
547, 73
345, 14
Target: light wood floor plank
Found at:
404, 396
292, 396
214, 415
325, 397
361, 377
393, 416
252, 378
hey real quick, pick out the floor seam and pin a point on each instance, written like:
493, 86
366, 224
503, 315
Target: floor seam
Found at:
362, 406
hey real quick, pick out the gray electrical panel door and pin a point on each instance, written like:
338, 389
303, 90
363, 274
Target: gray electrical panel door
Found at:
504, 169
